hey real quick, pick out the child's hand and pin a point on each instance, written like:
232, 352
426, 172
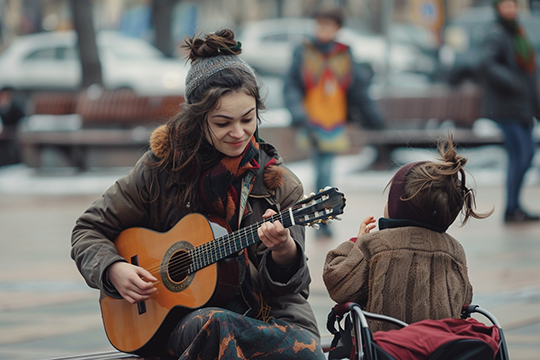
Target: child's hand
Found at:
366, 226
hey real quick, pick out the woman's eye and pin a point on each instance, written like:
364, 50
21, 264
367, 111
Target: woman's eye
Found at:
246, 121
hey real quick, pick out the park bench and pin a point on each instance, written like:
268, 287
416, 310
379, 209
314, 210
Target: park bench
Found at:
414, 121
113, 129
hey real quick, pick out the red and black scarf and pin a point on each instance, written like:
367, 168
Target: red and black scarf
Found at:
221, 185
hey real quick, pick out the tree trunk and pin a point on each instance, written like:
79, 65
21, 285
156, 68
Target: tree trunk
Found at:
162, 18
86, 40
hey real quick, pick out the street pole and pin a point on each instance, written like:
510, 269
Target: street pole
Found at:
387, 16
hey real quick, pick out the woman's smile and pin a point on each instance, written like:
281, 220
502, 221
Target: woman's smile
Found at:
232, 123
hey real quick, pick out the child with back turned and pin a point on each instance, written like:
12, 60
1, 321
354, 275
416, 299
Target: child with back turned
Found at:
411, 269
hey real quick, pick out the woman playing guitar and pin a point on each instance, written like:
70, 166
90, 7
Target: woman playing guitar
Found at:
206, 160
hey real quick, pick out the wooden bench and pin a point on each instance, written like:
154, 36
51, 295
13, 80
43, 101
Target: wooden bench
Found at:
122, 121
110, 130
411, 121
85, 148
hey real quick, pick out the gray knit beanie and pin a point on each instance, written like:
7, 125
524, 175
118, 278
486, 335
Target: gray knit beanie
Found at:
204, 67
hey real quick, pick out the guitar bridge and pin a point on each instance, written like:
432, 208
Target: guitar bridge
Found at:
141, 306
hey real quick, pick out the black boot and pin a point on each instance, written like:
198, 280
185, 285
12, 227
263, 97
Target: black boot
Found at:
519, 215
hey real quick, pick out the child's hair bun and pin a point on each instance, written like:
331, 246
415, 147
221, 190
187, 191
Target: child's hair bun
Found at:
450, 158
213, 44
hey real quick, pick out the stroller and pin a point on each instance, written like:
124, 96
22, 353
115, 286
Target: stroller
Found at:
446, 339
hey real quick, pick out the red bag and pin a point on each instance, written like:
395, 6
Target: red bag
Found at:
421, 340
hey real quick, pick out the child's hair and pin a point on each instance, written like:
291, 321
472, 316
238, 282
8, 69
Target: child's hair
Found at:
334, 13
434, 192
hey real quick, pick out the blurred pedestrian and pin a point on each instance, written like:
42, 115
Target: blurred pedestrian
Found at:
411, 269
323, 89
11, 112
508, 69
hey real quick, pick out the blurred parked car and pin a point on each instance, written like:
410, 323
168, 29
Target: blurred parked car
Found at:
268, 45
50, 61
463, 36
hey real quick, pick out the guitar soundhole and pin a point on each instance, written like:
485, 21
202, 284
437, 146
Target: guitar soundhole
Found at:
175, 266
179, 266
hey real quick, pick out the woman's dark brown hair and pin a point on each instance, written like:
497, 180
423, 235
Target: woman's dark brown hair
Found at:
440, 187
190, 152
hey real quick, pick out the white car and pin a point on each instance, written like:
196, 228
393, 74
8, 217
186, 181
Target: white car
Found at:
50, 61
268, 45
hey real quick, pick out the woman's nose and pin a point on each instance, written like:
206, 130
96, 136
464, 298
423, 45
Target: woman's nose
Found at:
237, 131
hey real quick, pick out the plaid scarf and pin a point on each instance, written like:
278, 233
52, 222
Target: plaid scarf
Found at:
523, 49
221, 185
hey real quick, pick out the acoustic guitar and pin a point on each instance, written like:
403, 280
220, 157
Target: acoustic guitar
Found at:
194, 269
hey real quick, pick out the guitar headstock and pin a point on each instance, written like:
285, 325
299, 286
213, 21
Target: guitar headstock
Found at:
321, 207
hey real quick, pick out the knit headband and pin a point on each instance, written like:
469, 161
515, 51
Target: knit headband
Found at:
397, 208
202, 68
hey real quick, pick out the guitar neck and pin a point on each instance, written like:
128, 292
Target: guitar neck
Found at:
217, 249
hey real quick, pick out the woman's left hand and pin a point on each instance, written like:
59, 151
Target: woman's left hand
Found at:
277, 239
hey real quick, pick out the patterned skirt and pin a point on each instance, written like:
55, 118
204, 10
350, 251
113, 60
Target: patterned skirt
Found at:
215, 333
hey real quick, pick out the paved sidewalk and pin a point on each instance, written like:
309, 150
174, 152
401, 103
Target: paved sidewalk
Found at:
47, 310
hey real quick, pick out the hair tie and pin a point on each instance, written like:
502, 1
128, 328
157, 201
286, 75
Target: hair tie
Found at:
231, 50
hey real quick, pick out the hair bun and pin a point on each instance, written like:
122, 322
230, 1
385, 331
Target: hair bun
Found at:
449, 155
213, 44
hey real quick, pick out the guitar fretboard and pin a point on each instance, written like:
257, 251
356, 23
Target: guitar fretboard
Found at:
217, 249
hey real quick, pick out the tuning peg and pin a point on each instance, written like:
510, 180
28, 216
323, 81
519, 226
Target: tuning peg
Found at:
315, 226
337, 218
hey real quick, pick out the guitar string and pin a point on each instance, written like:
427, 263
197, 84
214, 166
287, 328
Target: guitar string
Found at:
183, 263
200, 253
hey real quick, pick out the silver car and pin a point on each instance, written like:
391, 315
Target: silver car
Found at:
50, 61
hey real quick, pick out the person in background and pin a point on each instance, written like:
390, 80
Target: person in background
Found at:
411, 269
11, 112
209, 160
509, 79
323, 89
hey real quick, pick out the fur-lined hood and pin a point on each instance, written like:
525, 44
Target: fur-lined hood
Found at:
269, 158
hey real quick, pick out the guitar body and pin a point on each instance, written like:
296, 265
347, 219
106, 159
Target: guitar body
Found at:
144, 328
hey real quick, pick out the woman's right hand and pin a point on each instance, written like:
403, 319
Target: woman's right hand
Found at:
134, 283
366, 226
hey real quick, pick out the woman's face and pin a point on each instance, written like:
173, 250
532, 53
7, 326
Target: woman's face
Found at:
508, 10
232, 123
